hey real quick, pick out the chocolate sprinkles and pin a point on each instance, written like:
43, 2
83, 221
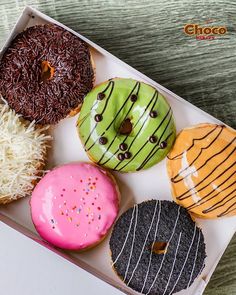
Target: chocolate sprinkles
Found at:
67, 73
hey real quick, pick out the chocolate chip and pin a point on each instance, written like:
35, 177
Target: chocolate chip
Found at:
100, 96
133, 97
102, 140
163, 144
125, 127
153, 139
98, 118
127, 155
123, 146
153, 114
121, 157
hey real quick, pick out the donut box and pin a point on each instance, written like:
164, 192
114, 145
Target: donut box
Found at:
135, 187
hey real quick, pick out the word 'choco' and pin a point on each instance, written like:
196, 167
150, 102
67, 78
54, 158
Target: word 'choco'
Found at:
193, 29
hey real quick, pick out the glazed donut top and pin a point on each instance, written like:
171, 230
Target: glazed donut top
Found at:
45, 73
126, 125
157, 248
74, 205
202, 169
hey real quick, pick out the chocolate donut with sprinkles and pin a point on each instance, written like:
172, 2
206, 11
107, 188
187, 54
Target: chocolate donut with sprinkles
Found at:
156, 248
126, 125
45, 74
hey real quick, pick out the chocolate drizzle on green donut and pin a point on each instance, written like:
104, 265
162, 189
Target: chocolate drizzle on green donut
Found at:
137, 85
155, 149
125, 125
45, 73
83, 120
134, 259
155, 97
110, 85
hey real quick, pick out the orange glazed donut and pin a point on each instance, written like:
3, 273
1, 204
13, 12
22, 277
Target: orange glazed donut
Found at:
202, 170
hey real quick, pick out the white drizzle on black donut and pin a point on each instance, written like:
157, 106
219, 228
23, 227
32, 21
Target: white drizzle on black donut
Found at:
132, 241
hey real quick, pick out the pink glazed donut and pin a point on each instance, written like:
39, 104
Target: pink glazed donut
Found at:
74, 205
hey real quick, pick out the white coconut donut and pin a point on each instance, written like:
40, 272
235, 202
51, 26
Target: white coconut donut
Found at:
22, 155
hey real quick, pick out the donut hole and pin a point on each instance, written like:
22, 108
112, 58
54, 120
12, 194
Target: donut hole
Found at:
159, 247
126, 127
47, 71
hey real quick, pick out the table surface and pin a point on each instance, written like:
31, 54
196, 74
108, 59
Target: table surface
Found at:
149, 36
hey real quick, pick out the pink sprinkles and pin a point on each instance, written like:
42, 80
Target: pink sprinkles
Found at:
87, 187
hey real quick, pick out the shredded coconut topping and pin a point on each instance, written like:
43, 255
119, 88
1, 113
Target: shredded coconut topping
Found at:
23, 149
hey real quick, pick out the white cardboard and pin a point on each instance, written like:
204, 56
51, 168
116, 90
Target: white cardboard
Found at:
135, 187
49, 272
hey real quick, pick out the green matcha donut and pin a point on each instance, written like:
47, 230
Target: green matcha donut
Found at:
126, 125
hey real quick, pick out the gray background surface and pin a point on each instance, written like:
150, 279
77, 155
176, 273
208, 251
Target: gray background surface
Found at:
149, 36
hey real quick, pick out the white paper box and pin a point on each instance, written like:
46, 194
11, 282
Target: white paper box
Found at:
135, 187
28, 268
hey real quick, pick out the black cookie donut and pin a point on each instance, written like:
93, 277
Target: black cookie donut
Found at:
156, 248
